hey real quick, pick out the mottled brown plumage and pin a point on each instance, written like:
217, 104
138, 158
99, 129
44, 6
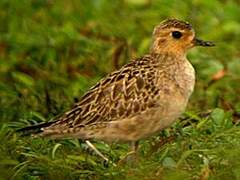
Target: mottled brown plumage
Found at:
143, 97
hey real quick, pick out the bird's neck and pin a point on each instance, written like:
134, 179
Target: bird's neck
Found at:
168, 48
168, 58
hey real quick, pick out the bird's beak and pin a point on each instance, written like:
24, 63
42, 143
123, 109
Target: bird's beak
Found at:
199, 42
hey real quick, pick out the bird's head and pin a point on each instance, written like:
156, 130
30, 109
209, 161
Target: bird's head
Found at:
175, 36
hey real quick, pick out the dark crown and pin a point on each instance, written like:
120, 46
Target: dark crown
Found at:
176, 24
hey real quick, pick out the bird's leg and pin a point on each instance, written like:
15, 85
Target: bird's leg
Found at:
132, 155
96, 151
134, 146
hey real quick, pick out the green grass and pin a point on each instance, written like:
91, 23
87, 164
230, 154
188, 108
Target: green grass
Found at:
53, 51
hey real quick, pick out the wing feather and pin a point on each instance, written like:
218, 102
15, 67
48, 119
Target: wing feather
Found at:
121, 94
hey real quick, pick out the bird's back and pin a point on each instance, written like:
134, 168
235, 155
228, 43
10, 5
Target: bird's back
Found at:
123, 105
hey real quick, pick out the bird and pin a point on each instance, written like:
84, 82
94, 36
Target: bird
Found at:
140, 99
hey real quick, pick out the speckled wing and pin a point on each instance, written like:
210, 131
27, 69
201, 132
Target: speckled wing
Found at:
123, 93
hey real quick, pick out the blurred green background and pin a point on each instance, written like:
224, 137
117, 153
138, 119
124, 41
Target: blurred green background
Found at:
52, 51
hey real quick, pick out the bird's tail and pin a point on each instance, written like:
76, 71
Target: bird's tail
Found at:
34, 129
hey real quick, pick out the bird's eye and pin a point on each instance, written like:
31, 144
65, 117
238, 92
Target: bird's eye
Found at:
176, 34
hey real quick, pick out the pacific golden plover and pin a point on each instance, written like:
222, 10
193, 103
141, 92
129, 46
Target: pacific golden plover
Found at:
140, 99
